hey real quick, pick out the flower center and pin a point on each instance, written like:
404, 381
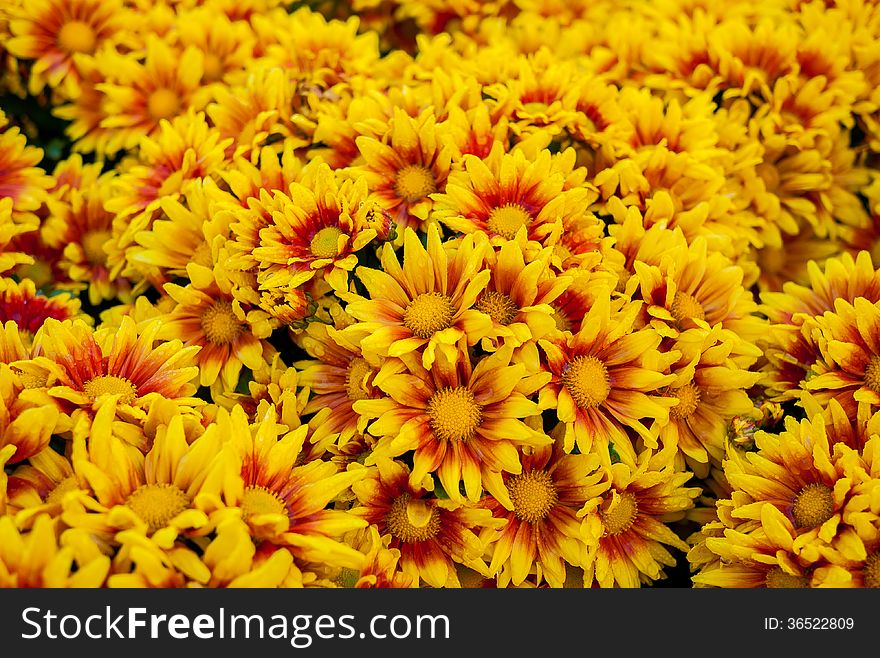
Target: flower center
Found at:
355, 380
212, 68
93, 246
813, 506
872, 374
871, 571
454, 414
586, 379
259, 500
686, 307
76, 37
507, 220
412, 520
66, 485
325, 244
428, 313
533, 495
414, 182
163, 104
498, 306
157, 504
220, 324
777, 579
111, 385
688, 399
619, 513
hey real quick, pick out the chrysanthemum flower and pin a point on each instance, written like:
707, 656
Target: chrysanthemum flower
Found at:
227, 45
630, 523
504, 192
36, 557
404, 172
27, 417
21, 179
321, 226
848, 368
431, 534
152, 493
52, 32
692, 286
382, 568
460, 421
281, 499
519, 295
22, 304
540, 505
791, 348
139, 95
712, 384
799, 514
183, 151
426, 303
536, 97
39, 485
207, 315
336, 377
186, 232
81, 366
606, 378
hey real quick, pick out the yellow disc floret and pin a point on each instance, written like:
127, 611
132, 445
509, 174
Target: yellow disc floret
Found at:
428, 313
221, 325
813, 506
414, 182
686, 307
454, 414
533, 495
93, 246
688, 400
77, 37
111, 385
259, 500
586, 379
620, 512
498, 306
325, 244
507, 220
157, 504
412, 520
872, 374
355, 379
778, 579
163, 104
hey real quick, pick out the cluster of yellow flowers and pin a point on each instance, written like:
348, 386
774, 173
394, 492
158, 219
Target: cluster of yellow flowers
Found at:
439, 293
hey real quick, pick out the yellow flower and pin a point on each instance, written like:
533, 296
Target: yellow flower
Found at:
505, 193
261, 479
431, 534
605, 380
81, 366
630, 522
424, 305
21, 179
461, 421
406, 170
53, 32
206, 315
540, 505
